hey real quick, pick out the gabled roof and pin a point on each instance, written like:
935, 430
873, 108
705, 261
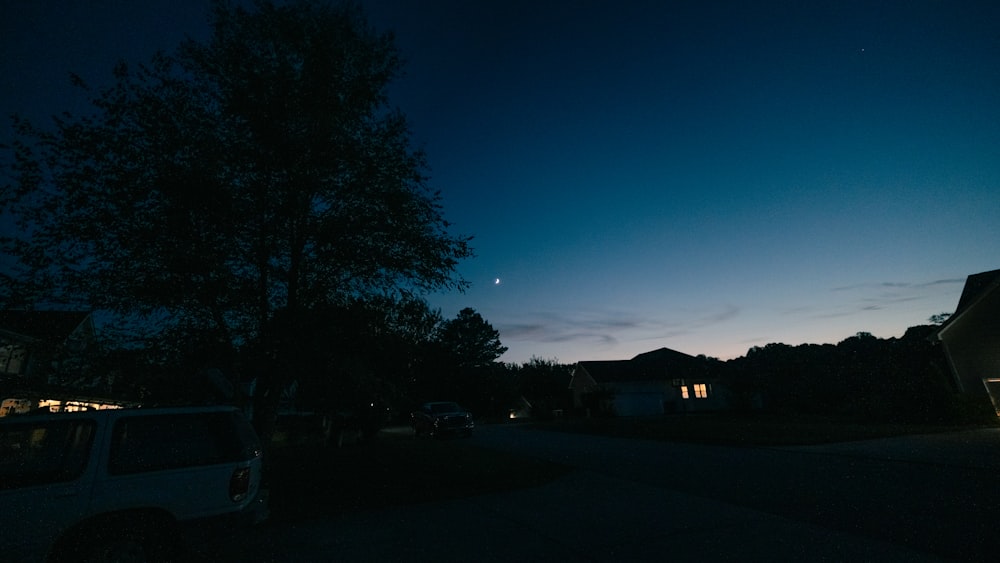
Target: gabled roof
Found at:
608, 371
977, 286
51, 326
658, 365
667, 358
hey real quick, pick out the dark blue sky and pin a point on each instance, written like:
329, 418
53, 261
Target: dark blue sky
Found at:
706, 176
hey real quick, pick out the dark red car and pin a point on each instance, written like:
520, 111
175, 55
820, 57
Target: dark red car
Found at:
442, 418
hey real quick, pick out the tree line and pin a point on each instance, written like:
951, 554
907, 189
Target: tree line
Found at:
253, 203
862, 378
228, 195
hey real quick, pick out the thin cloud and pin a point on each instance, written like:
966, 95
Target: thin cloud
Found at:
614, 324
890, 299
834, 315
796, 310
899, 285
609, 328
603, 339
877, 285
556, 328
728, 312
666, 335
522, 331
849, 287
867, 305
944, 282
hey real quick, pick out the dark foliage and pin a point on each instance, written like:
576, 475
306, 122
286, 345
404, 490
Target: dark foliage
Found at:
460, 363
862, 377
358, 355
470, 340
545, 385
241, 190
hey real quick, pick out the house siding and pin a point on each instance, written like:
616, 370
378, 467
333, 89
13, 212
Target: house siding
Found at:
37, 343
972, 343
581, 384
640, 398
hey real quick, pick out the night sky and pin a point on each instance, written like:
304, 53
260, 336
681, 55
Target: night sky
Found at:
705, 176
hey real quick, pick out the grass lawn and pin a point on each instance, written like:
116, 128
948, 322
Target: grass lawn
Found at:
729, 429
397, 468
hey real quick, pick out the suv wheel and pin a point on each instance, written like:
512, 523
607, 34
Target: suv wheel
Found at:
128, 548
115, 541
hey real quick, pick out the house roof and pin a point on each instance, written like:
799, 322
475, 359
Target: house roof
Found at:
977, 286
657, 365
608, 371
53, 326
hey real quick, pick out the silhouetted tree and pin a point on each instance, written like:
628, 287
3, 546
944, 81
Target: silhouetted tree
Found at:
470, 339
861, 378
258, 174
939, 318
460, 363
545, 384
361, 352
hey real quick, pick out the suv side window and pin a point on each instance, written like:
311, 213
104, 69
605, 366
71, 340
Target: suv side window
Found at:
37, 452
153, 443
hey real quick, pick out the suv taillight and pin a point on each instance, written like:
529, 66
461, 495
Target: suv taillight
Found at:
239, 484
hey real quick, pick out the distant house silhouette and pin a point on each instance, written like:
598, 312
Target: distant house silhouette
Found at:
971, 337
657, 382
34, 343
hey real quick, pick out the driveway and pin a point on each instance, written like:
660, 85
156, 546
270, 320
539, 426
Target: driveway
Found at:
924, 498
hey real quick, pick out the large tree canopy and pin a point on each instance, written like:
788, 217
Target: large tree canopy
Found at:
233, 189
470, 339
260, 171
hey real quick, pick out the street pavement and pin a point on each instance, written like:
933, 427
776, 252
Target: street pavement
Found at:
915, 498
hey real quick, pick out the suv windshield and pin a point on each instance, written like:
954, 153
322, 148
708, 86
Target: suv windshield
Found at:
36, 452
438, 408
151, 443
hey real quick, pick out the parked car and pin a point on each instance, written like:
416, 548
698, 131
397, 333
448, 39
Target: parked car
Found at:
124, 484
442, 418
358, 426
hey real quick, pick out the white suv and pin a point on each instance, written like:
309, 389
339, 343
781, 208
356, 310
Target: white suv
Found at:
123, 485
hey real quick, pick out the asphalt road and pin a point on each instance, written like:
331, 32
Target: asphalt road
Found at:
934, 494
917, 498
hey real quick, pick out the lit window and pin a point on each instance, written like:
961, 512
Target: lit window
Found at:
684, 392
701, 390
60, 405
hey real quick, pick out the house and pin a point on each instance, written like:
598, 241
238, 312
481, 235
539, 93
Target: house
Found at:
43, 356
653, 383
36, 343
971, 337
